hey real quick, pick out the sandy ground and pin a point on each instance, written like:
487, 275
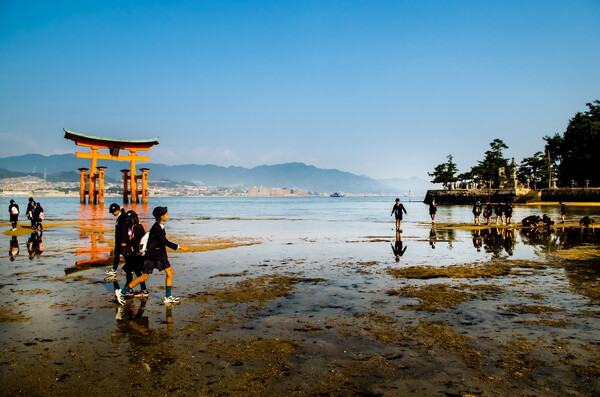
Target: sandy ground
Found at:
271, 318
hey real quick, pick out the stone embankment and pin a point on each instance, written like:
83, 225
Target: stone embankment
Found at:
470, 196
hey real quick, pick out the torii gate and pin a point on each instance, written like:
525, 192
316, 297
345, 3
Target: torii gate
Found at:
96, 174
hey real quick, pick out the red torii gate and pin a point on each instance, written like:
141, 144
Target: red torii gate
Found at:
95, 177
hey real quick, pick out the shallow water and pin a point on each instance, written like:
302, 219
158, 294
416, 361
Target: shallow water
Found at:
347, 333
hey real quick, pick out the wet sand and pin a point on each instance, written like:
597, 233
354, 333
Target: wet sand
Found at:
303, 314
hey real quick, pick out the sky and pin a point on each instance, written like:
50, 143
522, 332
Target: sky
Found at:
385, 89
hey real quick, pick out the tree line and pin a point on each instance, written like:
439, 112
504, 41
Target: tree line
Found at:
570, 158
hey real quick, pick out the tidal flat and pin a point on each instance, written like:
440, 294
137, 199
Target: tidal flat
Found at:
307, 307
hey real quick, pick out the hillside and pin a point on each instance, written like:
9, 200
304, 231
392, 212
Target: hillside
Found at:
291, 175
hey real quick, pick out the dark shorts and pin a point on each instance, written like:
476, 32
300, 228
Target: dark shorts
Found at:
151, 264
14, 218
399, 217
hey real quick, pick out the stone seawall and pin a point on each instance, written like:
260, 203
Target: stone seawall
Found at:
572, 194
470, 196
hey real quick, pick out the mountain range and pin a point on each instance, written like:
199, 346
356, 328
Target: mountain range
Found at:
63, 167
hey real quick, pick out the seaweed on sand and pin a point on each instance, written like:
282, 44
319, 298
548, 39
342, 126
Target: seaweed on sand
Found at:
438, 297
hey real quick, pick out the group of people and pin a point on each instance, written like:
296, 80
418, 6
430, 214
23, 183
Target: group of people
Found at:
35, 213
143, 252
502, 210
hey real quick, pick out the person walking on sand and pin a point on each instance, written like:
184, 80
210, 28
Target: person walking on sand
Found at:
508, 210
37, 217
120, 237
134, 261
499, 210
397, 211
13, 211
563, 211
156, 257
477, 212
29, 212
487, 213
432, 210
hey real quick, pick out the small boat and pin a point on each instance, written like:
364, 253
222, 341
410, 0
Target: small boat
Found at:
337, 194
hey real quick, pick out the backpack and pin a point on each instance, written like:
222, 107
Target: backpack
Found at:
14, 210
144, 243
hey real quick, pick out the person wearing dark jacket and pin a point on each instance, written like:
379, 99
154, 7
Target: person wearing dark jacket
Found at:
37, 217
134, 261
397, 211
29, 212
156, 257
13, 210
120, 237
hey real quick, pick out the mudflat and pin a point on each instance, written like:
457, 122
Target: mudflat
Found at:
308, 315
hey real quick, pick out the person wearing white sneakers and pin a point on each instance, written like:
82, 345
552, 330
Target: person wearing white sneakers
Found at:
155, 257
13, 210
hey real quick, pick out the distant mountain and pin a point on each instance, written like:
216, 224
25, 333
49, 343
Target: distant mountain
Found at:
291, 175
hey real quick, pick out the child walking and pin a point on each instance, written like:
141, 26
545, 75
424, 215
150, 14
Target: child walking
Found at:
156, 257
13, 210
120, 237
397, 211
134, 261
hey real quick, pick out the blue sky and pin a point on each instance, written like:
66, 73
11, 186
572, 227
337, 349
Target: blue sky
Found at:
378, 88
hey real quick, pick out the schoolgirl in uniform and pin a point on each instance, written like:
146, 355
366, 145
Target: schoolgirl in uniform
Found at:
156, 257
13, 210
134, 261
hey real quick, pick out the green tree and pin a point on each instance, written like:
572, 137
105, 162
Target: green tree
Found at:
577, 151
445, 172
493, 159
535, 169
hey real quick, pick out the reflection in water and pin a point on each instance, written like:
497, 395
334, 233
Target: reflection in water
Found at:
98, 253
151, 348
398, 247
14, 248
35, 244
498, 240
477, 240
432, 237
548, 240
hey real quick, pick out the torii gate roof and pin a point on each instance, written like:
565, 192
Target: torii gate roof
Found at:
109, 143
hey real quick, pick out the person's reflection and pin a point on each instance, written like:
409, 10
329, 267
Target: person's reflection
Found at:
509, 241
14, 248
432, 237
35, 244
398, 247
134, 324
477, 240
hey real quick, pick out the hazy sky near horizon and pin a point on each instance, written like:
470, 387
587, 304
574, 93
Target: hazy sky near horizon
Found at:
379, 88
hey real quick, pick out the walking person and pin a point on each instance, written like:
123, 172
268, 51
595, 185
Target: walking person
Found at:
397, 211
508, 210
156, 257
120, 237
487, 213
477, 212
29, 212
432, 210
134, 260
499, 210
563, 211
37, 217
13, 211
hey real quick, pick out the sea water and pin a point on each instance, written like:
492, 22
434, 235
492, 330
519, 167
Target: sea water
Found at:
337, 227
